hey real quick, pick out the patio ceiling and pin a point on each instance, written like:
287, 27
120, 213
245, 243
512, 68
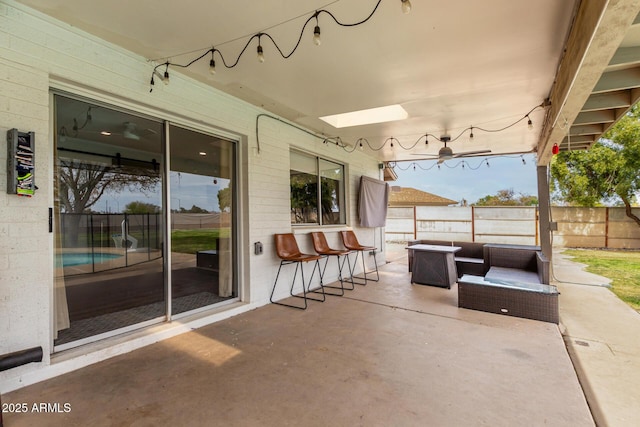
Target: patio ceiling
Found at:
450, 65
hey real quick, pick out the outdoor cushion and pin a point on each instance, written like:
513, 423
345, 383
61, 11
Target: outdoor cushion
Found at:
511, 275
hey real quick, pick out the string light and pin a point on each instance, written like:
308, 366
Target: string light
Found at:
462, 163
165, 80
529, 122
471, 134
406, 7
360, 142
260, 52
316, 33
470, 129
524, 162
212, 64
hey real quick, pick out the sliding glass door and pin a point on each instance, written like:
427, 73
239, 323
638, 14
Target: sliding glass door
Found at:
108, 206
109, 220
202, 207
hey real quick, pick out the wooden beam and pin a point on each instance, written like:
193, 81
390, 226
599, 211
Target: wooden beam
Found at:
608, 100
586, 130
621, 79
626, 55
579, 139
595, 117
598, 29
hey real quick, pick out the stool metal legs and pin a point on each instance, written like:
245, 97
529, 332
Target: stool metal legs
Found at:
363, 279
305, 288
342, 280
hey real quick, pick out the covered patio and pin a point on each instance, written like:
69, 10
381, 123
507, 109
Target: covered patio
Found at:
389, 353
525, 79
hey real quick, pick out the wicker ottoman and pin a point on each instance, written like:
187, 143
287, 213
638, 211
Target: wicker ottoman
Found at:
527, 300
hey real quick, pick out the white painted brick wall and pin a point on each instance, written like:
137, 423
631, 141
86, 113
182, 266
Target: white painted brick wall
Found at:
37, 52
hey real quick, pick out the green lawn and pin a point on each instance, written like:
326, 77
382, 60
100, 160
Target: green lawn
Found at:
622, 267
192, 241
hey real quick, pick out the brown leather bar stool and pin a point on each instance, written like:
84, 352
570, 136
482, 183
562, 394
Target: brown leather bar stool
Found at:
289, 253
350, 241
322, 248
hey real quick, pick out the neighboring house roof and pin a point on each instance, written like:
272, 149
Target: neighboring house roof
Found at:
407, 196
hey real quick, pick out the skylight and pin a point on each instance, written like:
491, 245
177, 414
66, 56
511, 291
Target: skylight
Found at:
366, 117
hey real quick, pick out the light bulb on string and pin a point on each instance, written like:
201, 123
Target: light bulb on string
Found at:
406, 6
361, 146
529, 122
487, 161
414, 166
316, 36
471, 134
165, 79
259, 49
212, 64
524, 162
260, 54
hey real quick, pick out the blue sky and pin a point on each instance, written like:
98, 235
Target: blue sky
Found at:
475, 180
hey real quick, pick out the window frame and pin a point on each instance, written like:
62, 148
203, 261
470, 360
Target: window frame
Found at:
342, 196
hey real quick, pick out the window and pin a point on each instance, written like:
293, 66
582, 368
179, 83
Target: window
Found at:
317, 186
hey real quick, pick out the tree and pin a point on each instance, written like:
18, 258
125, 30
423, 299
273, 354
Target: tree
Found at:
141, 208
507, 197
607, 173
304, 199
81, 184
224, 199
194, 209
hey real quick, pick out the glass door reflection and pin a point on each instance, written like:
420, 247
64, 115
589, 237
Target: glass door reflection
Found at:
108, 221
201, 188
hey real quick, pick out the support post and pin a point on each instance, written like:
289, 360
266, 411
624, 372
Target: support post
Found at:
544, 212
415, 223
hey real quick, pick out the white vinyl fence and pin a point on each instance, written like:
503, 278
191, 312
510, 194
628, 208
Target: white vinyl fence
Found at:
577, 227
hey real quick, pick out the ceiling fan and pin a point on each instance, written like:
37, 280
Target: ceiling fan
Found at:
130, 130
446, 153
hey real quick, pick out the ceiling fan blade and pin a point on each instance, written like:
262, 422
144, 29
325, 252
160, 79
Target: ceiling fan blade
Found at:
435, 156
471, 153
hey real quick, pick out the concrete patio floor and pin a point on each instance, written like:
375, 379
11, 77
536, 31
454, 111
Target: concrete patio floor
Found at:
388, 354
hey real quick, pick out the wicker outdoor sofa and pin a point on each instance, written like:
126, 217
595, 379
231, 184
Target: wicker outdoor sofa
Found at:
508, 279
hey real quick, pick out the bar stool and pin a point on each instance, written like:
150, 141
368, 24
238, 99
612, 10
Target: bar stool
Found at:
350, 241
322, 248
289, 253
